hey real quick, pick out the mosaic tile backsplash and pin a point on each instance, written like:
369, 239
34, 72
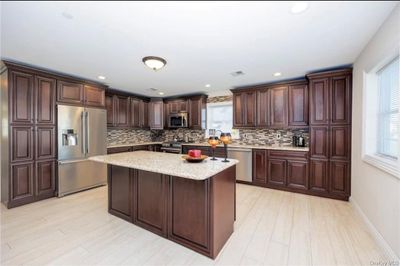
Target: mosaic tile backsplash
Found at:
247, 136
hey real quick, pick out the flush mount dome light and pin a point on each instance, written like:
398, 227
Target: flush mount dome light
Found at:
154, 62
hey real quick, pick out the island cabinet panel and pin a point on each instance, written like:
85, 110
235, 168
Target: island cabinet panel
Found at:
260, 166
263, 108
298, 105
189, 212
70, 92
297, 174
277, 172
279, 107
319, 175
319, 101
120, 192
45, 100
150, 212
21, 97
94, 96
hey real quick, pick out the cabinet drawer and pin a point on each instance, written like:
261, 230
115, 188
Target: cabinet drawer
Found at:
289, 154
119, 149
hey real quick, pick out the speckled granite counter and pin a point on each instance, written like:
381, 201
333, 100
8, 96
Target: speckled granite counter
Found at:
263, 147
133, 144
165, 163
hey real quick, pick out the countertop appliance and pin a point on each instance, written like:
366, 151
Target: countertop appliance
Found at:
178, 120
82, 132
299, 141
244, 169
171, 147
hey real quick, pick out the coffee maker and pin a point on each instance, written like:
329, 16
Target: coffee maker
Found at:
299, 141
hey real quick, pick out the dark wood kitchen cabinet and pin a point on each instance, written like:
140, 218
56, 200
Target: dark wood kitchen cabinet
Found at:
319, 175
319, 101
22, 97
144, 114
45, 98
120, 192
339, 174
45, 142
94, 96
298, 105
70, 92
156, 114
263, 112
45, 179
319, 142
110, 107
279, 107
122, 111
260, 166
244, 108
22, 144
135, 113
297, 174
176, 106
340, 98
277, 172
21, 184
198, 112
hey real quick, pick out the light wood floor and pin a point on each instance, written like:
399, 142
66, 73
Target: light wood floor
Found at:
273, 228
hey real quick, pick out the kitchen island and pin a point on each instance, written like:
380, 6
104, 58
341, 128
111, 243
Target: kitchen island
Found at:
192, 204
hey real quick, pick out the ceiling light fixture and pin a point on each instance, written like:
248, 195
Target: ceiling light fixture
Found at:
299, 7
154, 62
208, 86
277, 74
161, 93
101, 77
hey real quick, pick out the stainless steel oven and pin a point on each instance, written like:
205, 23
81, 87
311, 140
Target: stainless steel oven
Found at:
178, 120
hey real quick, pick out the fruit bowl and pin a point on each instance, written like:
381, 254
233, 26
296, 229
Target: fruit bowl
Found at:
194, 159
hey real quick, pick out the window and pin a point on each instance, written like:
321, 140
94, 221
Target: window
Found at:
381, 117
388, 115
219, 117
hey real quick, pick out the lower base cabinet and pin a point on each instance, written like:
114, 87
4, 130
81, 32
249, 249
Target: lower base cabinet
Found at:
339, 174
297, 174
319, 176
276, 172
45, 179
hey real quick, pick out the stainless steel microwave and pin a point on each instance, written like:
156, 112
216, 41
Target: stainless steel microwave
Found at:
178, 120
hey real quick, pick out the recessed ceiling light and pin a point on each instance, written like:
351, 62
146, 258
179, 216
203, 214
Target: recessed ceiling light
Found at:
208, 86
101, 77
161, 93
299, 7
154, 62
277, 74
67, 15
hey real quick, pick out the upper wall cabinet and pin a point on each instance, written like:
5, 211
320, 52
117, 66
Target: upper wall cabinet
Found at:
156, 114
45, 95
198, 112
94, 96
21, 95
70, 92
279, 107
244, 109
298, 105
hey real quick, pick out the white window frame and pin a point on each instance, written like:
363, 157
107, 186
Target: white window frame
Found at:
234, 132
370, 136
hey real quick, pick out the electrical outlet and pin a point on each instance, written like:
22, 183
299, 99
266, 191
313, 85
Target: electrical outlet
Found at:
278, 135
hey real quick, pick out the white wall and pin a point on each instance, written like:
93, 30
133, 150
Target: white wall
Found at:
376, 192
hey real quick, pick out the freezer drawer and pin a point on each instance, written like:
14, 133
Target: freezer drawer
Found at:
79, 175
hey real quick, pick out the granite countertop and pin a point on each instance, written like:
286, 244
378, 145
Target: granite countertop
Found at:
261, 147
165, 163
133, 144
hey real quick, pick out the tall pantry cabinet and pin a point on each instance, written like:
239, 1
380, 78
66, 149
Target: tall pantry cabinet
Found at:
330, 99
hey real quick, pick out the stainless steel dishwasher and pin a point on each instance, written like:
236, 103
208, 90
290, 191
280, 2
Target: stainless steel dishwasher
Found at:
244, 168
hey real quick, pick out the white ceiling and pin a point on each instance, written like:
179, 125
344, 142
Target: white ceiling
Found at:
203, 42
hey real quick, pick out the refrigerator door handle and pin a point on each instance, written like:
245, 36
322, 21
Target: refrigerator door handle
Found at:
83, 124
87, 131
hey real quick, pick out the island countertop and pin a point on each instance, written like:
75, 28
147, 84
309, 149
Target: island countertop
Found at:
165, 163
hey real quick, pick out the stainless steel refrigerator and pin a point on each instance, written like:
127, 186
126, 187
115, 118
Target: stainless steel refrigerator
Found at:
82, 132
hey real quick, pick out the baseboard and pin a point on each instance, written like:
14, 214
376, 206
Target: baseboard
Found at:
375, 233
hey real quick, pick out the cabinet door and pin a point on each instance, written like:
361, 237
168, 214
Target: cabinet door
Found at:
340, 143
45, 142
197, 112
298, 105
156, 110
151, 193
70, 92
319, 146
263, 108
22, 145
279, 107
45, 100
22, 190
339, 178
250, 110
110, 107
319, 175
341, 99
94, 96
21, 96
238, 109
276, 172
122, 111
45, 179
297, 174
144, 114
260, 166
120, 192
135, 113
183, 106
319, 101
